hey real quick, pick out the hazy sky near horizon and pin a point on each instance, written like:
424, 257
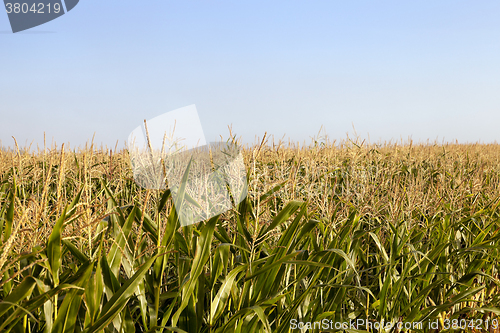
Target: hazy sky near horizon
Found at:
393, 69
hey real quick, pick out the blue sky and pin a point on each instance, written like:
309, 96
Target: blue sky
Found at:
393, 69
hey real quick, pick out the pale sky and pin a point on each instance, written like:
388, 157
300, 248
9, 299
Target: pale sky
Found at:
393, 69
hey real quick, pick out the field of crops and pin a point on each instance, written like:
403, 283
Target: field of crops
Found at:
330, 233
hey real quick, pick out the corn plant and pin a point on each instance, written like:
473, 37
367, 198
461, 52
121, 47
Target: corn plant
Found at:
379, 233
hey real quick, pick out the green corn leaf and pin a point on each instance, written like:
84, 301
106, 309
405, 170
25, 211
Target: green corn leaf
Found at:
75, 251
119, 245
68, 312
22, 291
283, 215
9, 216
219, 302
54, 247
201, 257
119, 300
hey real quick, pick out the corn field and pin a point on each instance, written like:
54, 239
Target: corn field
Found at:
330, 232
